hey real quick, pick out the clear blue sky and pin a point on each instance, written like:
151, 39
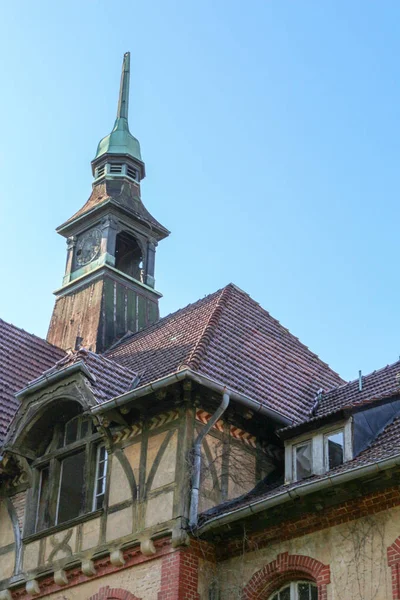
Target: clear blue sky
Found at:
270, 131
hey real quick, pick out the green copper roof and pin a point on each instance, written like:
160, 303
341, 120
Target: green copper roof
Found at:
120, 140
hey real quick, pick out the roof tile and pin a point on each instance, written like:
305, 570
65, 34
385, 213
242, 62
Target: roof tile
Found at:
231, 338
23, 357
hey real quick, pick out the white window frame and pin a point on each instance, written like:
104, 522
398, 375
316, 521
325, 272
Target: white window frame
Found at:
294, 459
326, 451
318, 452
40, 492
293, 589
103, 477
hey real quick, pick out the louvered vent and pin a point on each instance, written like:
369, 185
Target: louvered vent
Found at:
100, 171
115, 167
131, 172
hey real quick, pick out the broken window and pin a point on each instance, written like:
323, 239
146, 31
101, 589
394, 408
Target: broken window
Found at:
302, 461
71, 489
70, 474
334, 445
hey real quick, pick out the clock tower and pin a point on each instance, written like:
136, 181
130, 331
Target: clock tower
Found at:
109, 288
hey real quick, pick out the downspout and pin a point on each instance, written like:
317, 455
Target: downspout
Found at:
194, 497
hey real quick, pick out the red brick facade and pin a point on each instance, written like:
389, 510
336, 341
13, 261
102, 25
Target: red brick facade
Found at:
287, 567
179, 576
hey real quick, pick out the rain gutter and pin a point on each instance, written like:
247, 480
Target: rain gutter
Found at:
253, 405
44, 379
299, 491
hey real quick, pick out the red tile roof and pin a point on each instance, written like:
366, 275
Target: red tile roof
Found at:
378, 384
231, 338
23, 357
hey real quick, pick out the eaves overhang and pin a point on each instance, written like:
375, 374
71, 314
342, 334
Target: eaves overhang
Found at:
49, 378
293, 494
68, 227
187, 373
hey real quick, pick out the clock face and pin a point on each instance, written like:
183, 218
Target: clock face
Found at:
88, 247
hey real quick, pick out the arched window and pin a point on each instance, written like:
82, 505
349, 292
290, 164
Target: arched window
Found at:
289, 577
296, 590
107, 593
69, 472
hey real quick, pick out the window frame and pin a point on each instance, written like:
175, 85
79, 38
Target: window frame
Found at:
294, 591
326, 446
53, 460
306, 442
103, 477
317, 437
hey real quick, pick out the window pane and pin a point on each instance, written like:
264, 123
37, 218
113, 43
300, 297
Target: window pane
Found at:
71, 431
101, 475
99, 502
305, 591
303, 461
102, 453
84, 428
314, 592
100, 487
42, 517
70, 503
335, 449
285, 594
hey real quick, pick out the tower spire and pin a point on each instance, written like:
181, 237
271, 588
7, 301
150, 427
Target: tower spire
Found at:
120, 142
123, 101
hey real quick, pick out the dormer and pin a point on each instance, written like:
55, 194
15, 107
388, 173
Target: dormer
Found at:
334, 437
318, 451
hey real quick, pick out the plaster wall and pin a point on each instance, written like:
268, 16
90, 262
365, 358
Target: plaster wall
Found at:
355, 551
143, 581
242, 471
120, 489
7, 543
6, 527
228, 470
7, 562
